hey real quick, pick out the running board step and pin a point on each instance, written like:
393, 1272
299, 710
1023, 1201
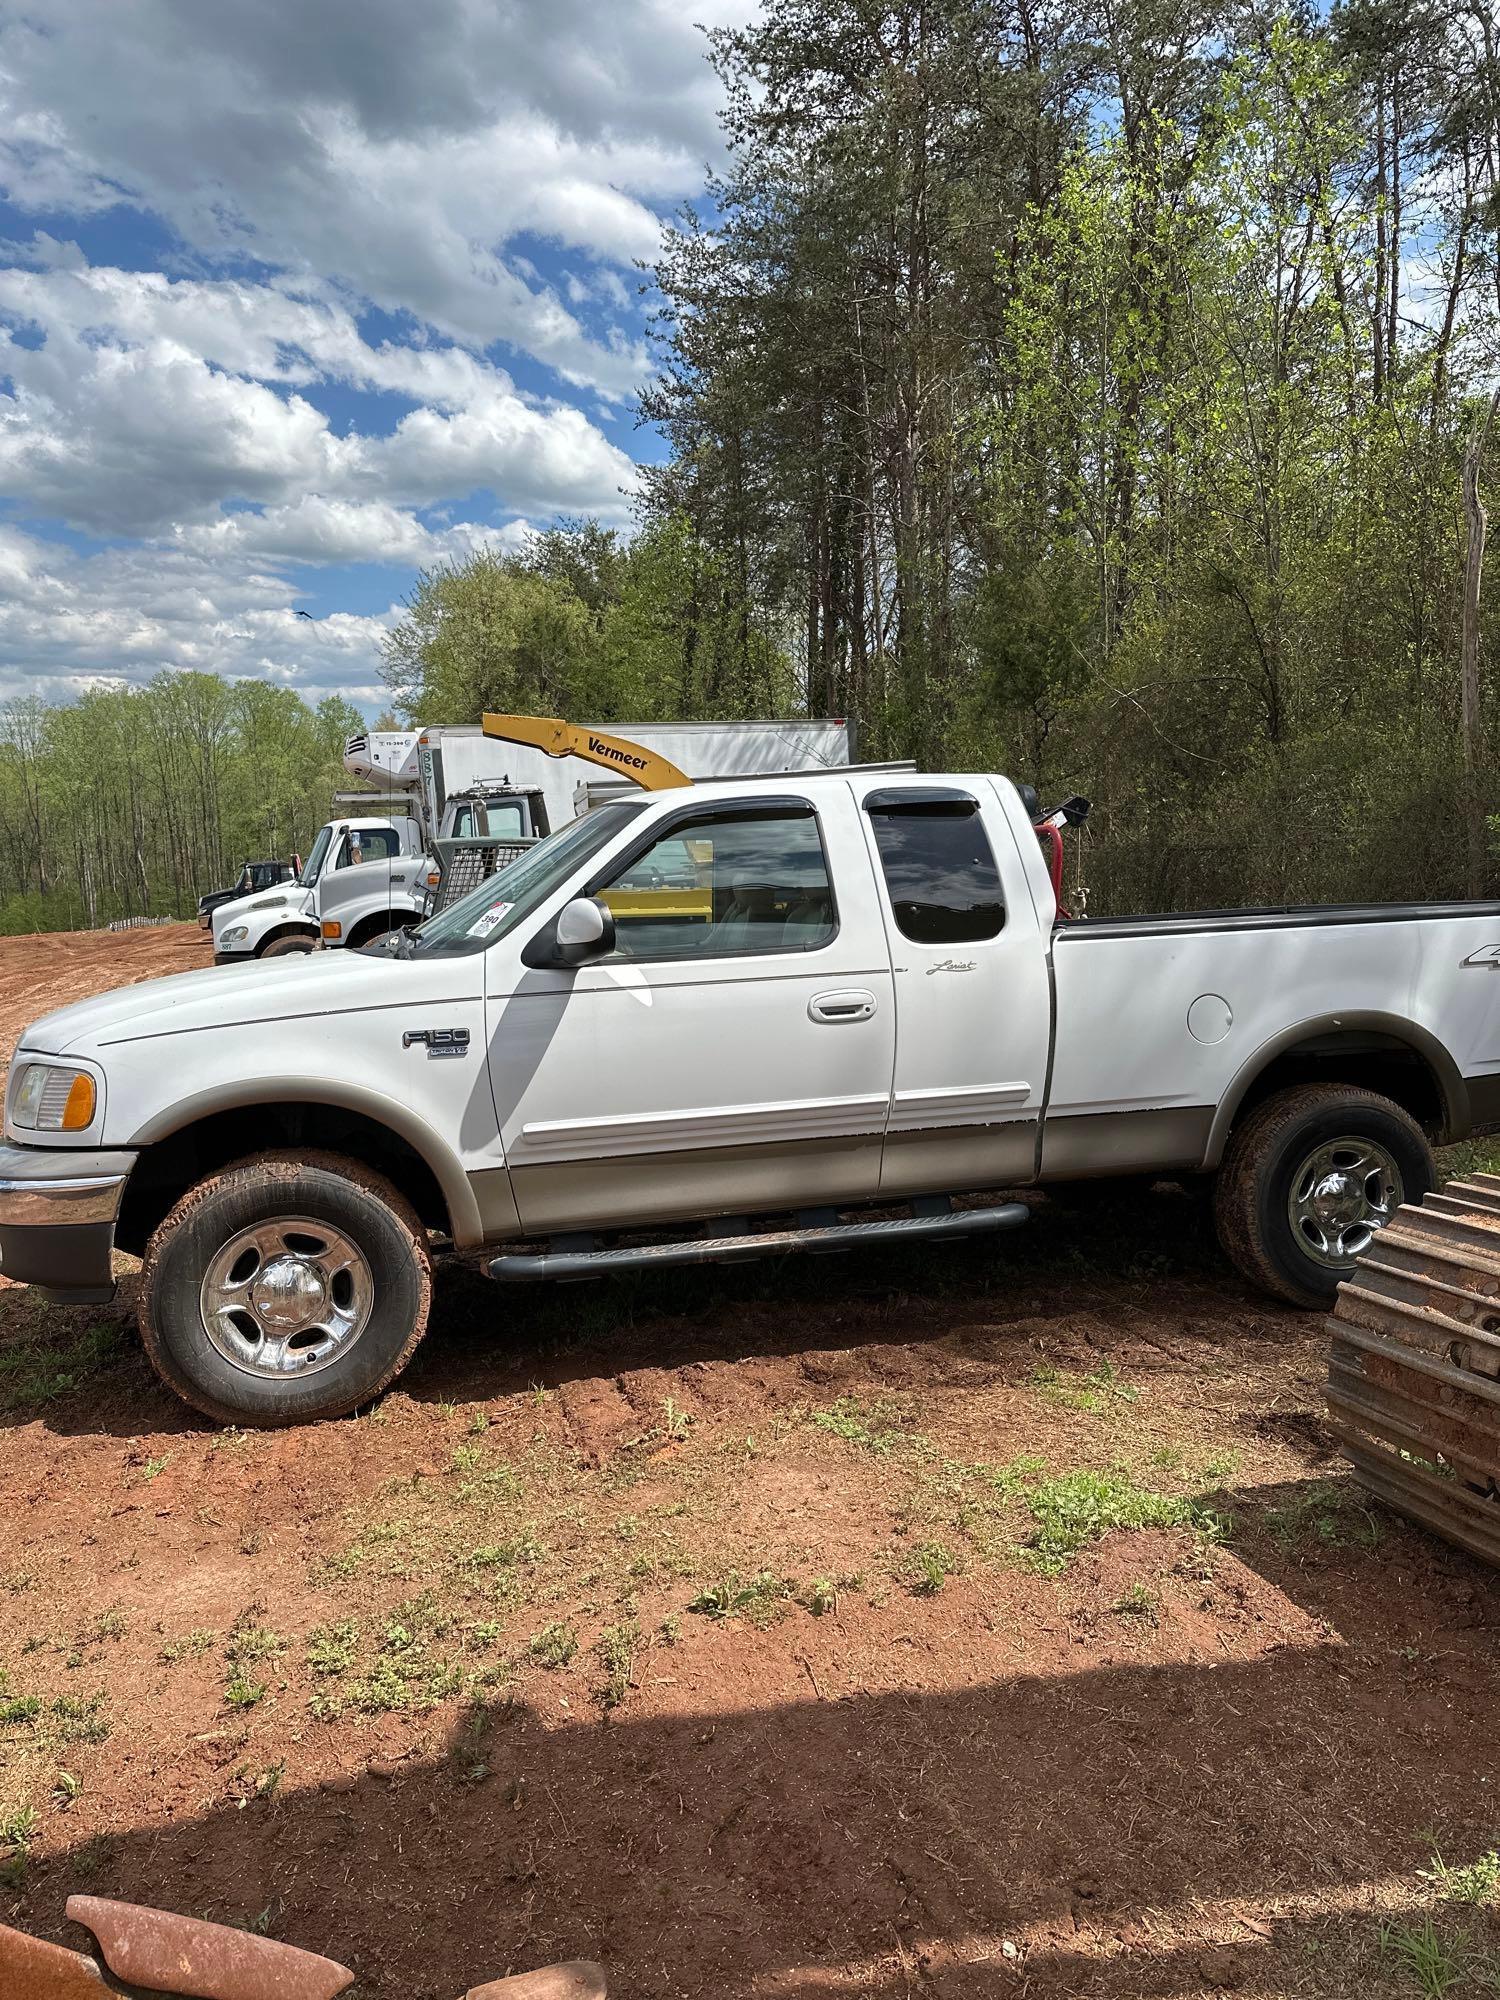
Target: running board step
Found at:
518, 1268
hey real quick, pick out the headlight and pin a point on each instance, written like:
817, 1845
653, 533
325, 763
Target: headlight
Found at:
48, 1099
236, 934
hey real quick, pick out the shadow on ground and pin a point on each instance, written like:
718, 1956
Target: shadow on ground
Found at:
881, 1843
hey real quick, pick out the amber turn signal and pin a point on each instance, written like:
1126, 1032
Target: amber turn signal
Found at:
78, 1110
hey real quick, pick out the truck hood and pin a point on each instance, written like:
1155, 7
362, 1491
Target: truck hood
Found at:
218, 997
286, 896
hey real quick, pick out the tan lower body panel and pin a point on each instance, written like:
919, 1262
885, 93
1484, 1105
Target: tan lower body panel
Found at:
1125, 1142
968, 1156
645, 1188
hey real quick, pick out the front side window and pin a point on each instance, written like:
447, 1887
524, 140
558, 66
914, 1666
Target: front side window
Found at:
507, 898
725, 883
939, 871
368, 843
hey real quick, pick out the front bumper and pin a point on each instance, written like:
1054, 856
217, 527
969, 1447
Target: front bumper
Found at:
58, 1209
234, 958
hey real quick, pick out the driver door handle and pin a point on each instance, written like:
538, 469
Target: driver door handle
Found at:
850, 1003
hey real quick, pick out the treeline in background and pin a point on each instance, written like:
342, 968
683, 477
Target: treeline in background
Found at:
1086, 391
133, 802
1103, 393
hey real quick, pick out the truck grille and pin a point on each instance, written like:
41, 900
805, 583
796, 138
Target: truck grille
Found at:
467, 863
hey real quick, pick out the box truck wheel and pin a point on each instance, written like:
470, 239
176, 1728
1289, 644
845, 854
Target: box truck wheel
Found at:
1308, 1180
285, 1287
282, 946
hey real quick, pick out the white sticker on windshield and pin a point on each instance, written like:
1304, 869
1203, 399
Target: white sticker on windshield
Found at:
484, 924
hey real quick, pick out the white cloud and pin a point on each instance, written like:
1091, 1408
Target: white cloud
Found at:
396, 153
70, 621
234, 430
127, 419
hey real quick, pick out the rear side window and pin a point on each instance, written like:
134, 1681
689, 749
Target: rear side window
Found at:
939, 871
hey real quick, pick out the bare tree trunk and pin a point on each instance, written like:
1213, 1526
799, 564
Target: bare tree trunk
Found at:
1470, 714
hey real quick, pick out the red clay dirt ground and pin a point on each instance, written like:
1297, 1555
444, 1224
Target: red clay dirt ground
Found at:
757, 1631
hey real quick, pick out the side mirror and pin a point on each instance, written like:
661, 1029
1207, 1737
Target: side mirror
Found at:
581, 930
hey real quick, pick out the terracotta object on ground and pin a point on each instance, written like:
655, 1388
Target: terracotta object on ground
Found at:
578, 1979
172, 1954
33, 1970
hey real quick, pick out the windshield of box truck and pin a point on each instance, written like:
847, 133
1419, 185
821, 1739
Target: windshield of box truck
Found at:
510, 895
313, 867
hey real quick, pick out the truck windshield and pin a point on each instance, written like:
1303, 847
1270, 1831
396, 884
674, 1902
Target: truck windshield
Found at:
313, 867
510, 895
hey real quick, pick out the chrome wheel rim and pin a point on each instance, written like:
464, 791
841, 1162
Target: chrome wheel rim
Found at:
286, 1297
1342, 1193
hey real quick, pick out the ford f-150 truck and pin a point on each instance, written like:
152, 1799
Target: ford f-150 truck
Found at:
740, 1016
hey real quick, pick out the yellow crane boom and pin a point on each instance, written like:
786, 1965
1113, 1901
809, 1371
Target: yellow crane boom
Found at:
557, 738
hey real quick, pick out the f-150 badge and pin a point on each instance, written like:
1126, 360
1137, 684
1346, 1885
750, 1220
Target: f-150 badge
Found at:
439, 1041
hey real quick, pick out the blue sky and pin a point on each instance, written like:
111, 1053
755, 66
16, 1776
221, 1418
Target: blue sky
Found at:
296, 299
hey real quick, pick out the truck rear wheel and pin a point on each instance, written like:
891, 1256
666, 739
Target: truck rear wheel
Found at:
285, 1288
1308, 1180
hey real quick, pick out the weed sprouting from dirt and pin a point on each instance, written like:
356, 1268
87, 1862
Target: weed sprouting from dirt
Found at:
932, 1563
1474, 1882
554, 1645
1433, 1963
331, 1649
616, 1648
1136, 1601
760, 1599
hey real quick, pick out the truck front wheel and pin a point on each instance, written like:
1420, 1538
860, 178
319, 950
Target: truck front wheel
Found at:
285, 1288
1308, 1180
283, 947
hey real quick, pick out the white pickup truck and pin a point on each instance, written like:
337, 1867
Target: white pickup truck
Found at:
746, 1016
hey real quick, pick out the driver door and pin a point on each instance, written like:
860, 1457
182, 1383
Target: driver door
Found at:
732, 1054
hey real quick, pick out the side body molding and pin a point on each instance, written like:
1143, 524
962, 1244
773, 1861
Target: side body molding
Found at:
241, 1093
1421, 1041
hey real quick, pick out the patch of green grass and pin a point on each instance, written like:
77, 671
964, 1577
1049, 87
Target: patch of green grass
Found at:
1327, 1512
1434, 1964
1078, 1507
66, 1789
52, 1358
555, 1645
77, 1719
821, 1596
154, 1467
18, 1709
1093, 1392
873, 1427
760, 1599
931, 1566
192, 1646
1475, 1882
331, 1648
520, 1549
18, 1827
616, 1648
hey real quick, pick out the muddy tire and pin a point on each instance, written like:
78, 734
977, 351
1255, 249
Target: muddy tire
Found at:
1309, 1179
283, 947
285, 1288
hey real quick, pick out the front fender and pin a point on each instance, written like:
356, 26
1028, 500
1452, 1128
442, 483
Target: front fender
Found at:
237, 1094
